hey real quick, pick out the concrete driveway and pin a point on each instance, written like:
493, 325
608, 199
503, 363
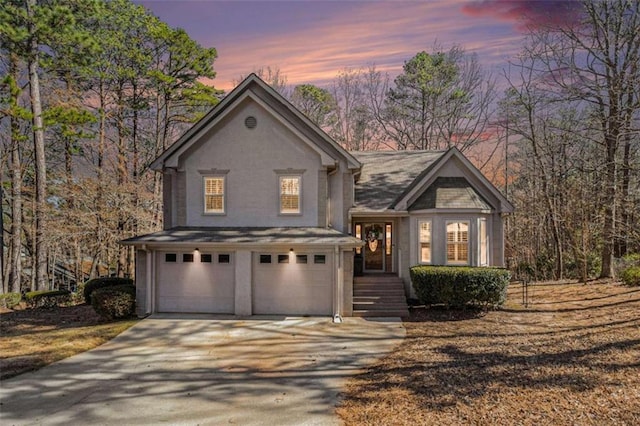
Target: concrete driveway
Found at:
204, 370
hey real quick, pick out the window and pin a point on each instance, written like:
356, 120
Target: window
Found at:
214, 194
170, 257
290, 194
187, 257
425, 241
283, 258
224, 258
265, 258
319, 259
301, 258
205, 258
458, 243
358, 236
483, 243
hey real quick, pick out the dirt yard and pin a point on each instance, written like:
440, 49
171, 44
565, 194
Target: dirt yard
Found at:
33, 338
572, 357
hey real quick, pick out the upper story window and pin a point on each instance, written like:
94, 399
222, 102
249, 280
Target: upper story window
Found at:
290, 196
425, 241
214, 192
458, 243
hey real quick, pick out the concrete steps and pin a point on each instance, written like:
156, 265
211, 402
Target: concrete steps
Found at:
379, 296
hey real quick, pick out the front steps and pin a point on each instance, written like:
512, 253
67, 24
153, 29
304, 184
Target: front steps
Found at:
380, 295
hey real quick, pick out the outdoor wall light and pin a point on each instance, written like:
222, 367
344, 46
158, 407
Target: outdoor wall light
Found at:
197, 250
291, 250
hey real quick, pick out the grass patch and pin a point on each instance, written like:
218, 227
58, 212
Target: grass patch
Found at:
33, 338
571, 357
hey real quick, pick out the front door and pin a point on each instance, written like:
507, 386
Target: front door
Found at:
374, 248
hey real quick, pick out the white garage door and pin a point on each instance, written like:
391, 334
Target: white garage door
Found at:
292, 283
196, 282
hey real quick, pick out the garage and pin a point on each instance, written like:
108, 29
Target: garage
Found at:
195, 282
291, 283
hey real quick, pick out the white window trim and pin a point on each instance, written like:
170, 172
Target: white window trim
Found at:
420, 222
300, 191
224, 195
446, 243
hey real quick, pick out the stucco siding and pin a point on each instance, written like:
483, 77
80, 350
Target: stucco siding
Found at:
251, 159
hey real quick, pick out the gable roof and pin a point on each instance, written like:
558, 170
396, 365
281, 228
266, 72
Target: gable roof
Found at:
255, 88
395, 180
450, 193
385, 175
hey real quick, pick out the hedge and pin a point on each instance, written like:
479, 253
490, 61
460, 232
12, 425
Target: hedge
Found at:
10, 300
631, 276
96, 283
460, 286
115, 301
47, 298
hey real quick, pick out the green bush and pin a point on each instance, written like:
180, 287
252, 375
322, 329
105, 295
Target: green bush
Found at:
458, 286
47, 298
96, 283
10, 300
631, 276
115, 301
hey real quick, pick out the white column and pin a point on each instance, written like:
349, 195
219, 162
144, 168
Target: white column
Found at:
243, 278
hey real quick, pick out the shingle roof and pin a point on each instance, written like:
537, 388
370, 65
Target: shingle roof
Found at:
246, 235
386, 175
450, 193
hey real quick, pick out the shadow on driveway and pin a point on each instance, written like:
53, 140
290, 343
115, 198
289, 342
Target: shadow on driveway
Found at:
199, 369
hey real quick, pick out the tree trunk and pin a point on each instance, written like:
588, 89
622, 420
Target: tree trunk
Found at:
41, 279
608, 229
15, 264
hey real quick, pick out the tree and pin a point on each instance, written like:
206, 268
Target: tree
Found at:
594, 61
440, 100
316, 103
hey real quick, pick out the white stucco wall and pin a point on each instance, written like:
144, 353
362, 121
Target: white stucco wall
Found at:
250, 159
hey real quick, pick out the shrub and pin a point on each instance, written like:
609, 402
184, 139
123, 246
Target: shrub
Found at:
96, 283
47, 298
10, 300
114, 302
631, 276
457, 286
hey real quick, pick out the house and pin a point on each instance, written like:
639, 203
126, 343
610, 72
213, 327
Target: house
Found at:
265, 214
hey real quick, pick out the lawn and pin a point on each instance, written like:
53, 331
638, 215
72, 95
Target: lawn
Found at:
33, 338
572, 357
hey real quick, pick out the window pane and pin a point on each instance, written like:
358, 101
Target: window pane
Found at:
301, 258
214, 195
205, 258
458, 242
187, 257
484, 242
319, 259
265, 258
170, 257
283, 258
290, 194
425, 241
224, 258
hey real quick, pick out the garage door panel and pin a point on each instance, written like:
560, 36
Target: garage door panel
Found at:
292, 288
195, 287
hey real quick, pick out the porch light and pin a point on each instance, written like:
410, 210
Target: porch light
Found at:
197, 250
291, 250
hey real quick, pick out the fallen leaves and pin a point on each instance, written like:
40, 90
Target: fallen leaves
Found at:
571, 357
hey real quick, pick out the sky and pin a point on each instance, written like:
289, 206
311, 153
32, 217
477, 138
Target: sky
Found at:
310, 41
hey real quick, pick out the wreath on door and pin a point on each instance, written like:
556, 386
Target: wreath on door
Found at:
372, 239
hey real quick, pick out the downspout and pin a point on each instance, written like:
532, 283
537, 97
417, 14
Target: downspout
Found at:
337, 314
148, 284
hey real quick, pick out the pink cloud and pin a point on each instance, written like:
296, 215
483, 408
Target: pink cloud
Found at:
526, 13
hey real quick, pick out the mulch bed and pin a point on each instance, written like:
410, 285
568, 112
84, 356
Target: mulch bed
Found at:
571, 357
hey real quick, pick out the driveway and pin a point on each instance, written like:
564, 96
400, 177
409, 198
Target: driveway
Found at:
204, 370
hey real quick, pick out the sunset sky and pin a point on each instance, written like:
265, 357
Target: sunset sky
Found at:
310, 41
